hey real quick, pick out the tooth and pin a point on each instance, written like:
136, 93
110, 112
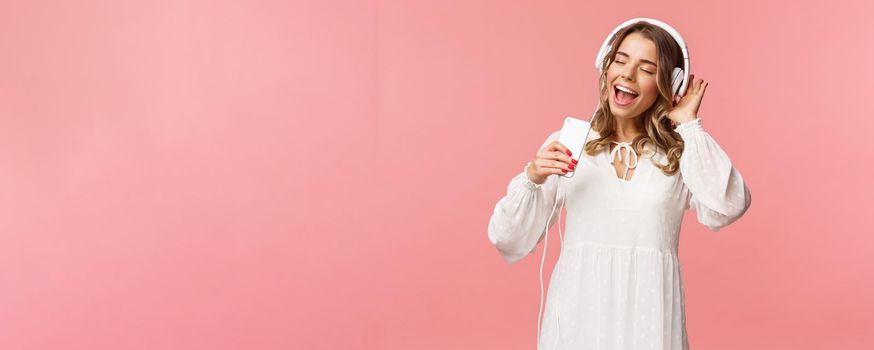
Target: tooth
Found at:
625, 89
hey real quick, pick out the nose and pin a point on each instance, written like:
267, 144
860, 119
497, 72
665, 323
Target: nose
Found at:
627, 73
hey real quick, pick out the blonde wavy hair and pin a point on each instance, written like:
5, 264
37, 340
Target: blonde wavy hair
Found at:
658, 129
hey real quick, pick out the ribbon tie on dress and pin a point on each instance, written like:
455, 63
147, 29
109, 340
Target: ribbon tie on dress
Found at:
616, 152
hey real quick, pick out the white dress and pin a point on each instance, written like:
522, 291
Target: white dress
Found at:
618, 282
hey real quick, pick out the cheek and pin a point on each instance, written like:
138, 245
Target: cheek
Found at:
610, 79
612, 72
650, 88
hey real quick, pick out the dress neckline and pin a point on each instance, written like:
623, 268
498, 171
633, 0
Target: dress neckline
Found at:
610, 155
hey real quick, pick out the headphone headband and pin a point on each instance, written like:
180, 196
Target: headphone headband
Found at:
605, 47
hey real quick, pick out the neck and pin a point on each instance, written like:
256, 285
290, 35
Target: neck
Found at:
626, 129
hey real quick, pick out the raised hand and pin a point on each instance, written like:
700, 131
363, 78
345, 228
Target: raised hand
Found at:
687, 108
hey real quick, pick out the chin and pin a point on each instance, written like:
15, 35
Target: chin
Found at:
620, 112
629, 112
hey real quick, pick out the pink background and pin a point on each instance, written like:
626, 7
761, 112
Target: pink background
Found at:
320, 175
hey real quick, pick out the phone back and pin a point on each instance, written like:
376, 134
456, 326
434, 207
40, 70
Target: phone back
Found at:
573, 135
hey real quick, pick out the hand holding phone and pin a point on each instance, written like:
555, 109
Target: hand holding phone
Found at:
555, 158
560, 156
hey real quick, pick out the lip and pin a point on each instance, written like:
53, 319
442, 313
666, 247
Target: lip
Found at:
616, 99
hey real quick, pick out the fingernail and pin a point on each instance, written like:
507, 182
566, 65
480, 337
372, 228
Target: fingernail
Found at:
564, 170
569, 152
571, 166
574, 161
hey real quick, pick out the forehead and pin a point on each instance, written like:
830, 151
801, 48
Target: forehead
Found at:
638, 46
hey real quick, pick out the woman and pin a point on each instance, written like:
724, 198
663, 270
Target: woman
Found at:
618, 283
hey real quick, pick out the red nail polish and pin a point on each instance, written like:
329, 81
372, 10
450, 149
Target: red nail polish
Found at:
568, 152
564, 170
571, 166
574, 161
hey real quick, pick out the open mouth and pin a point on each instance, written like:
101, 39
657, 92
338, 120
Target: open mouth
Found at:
623, 96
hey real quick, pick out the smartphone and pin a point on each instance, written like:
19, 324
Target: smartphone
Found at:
573, 135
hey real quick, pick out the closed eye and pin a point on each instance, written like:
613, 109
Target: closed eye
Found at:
651, 73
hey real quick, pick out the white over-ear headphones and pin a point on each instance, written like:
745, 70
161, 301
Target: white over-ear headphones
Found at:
679, 77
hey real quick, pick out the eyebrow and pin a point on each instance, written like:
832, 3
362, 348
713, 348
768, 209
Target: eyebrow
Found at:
644, 61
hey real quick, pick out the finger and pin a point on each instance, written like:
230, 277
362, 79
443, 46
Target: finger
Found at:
545, 167
555, 159
554, 164
557, 146
559, 156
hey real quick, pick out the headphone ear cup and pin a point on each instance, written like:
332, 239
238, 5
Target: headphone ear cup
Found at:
676, 80
602, 56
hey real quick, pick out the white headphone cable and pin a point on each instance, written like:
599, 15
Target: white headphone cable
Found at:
543, 258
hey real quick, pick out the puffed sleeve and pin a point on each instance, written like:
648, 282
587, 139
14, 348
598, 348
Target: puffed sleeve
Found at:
716, 190
520, 218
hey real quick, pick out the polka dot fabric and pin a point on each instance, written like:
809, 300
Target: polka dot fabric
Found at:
619, 283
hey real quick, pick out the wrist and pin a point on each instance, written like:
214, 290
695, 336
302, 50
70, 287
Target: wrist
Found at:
685, 120
532, 181
688, 126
